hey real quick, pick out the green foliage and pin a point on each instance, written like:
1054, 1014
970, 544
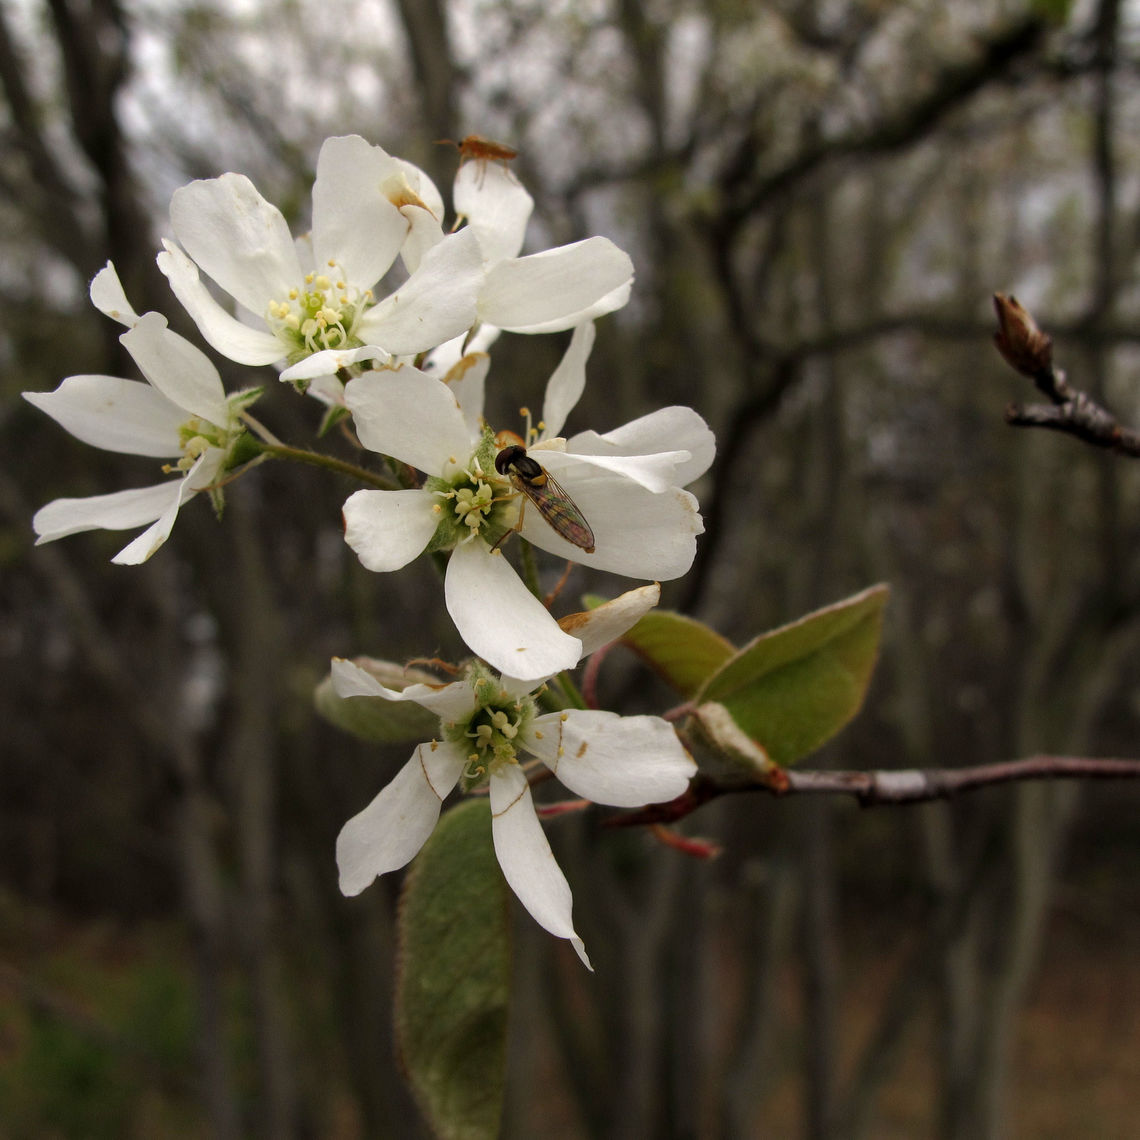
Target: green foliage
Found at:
454, 979
681, 649
785, 693
794, 688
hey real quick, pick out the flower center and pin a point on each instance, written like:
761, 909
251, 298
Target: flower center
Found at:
195, 436
474, 504
322, 315
490, 732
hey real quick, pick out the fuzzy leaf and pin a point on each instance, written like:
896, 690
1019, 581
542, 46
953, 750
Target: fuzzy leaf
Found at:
454, 977
792, 689
682, 650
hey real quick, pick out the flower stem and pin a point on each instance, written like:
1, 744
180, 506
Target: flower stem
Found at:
272, 446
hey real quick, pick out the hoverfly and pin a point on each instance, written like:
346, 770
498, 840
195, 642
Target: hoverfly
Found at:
531, 479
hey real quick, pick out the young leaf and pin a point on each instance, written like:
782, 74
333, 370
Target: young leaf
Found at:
682, 650
454, 977
792, 689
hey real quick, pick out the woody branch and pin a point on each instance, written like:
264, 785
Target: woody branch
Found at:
900, 786
1029, 351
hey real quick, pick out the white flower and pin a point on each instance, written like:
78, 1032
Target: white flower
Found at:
181, 413
644, 525
313, 307
485, 723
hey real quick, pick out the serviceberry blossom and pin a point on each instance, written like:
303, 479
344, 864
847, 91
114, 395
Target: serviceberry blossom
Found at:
626, 484
487, 724
311, 304
180, 413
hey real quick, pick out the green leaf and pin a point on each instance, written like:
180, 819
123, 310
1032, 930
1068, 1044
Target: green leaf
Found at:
792, 689
454, 978
374, 718
682, 650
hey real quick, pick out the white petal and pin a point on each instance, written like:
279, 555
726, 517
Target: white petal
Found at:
221, 330
496, 205
329, 361
355, 225
436, 303
118, 511
615, 299
636, 532
424, 235
424, 188
449, 702
410, 416
441, 360
564, 388
114, 414
388, 529
151, 539
667, 429
526, 859
552, 285
237, 238
178, 369
467, 380
389, 832
108, 296
624, 761
607, 622
655, 473
500, 619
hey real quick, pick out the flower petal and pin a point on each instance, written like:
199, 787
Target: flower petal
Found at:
607, 622
355, 226
623, 761
114, 414
178, 369
636, 532
500, 619
237, 238
329, 361
655, 473
108, 296
221, 330
667, 429
151, 539
424, 235
467, 381
615, 299
550, 287
496, 205
389, 832
449, 702
528, 863
118, 511
388, 529
410, 416
436, 303
564, 388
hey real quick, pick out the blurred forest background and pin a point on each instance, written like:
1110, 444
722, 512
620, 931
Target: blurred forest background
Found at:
820, 199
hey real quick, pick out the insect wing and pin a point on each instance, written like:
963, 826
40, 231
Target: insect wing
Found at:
559, 510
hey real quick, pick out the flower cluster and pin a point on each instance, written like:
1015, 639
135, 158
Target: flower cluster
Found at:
386, 315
